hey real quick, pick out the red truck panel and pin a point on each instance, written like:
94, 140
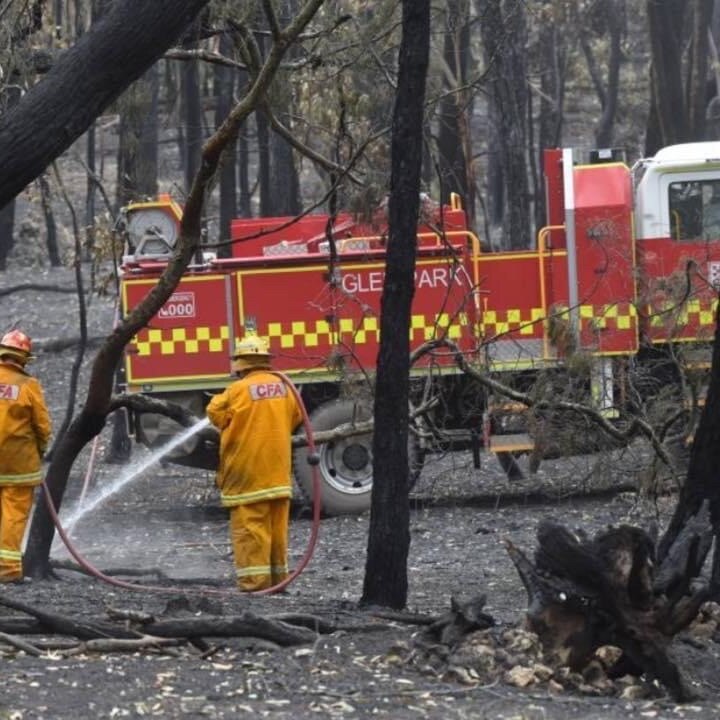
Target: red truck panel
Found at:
519, 291
189, 340
670, 272
316, 327
606, 259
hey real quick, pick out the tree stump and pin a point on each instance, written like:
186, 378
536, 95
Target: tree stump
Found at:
586, 593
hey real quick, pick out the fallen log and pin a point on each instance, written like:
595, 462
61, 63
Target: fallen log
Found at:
278, 631
247, 625
64, 625
22, 626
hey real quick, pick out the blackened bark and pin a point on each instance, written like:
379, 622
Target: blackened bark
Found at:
583, 594
504, 31
451, 111
385, 580
283, 170
701, 483
698, 68
107, 59
224, 81
7, 237
243, 160
10, 97
668, 120
192, 119
609, 95
263, 150
553, 59
138, 142
51, 239
283, 176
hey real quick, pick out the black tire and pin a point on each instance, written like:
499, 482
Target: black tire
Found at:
345, 465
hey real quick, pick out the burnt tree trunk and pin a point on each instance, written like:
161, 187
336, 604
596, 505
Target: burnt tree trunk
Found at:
7, 237
138, 140
263, 150
224, 86
619, 589
504, 32
701, 484
553, 57
93, 73
51, 236
452, 161
192, 118
9, 97
667, 121
385, 580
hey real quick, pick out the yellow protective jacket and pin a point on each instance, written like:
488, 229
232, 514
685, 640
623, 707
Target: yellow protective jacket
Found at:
255, 416
24, 427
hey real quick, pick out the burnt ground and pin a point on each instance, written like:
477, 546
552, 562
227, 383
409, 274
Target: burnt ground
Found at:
168, 519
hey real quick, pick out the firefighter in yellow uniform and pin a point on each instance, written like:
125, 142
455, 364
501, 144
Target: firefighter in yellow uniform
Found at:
256, 416
24, 434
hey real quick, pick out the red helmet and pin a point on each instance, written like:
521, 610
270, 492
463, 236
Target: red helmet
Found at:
17, 345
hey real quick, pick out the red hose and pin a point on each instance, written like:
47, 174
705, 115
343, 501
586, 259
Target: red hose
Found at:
312, 459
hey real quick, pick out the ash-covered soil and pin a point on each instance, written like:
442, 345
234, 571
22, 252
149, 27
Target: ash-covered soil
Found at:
167, 525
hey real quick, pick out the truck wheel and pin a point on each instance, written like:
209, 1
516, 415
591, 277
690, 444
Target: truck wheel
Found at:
345, 464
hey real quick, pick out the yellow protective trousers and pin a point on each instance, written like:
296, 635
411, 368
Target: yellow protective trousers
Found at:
259, 536
15, 505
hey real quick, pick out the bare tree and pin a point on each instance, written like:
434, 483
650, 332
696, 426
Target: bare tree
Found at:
138, 140
504, 33
553, 60
677, 112
224, 86
389, 540
610, 19
454, 154
191, 118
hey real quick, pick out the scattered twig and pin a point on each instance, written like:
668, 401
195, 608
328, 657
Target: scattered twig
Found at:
132, 615
20, 644
37, 286
405, 617
146, 642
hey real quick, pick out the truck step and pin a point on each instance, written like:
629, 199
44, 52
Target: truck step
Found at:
511, 443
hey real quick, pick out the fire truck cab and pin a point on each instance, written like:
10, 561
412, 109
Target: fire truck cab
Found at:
628, 262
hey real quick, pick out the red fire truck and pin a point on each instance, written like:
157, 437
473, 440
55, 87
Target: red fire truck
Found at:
626, 267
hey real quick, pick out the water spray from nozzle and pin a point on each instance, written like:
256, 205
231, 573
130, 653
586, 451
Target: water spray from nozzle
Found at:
131, 473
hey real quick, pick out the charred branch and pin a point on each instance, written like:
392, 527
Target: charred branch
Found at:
64, 625
246, 625
462, 619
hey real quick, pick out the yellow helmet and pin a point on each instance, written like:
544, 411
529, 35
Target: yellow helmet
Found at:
251, 351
